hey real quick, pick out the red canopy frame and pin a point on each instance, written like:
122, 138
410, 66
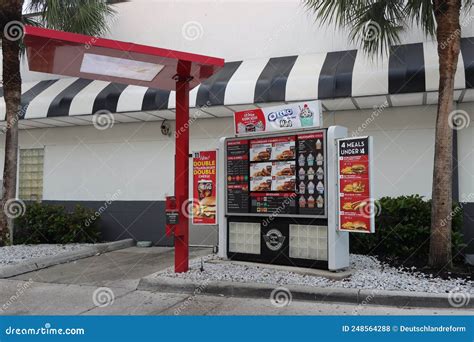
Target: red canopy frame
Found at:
76, 55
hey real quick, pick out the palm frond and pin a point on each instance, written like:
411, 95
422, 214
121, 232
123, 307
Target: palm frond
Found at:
80, 16
421, 11
376, 25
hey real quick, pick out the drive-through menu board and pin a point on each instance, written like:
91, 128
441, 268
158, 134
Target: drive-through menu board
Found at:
282, 174
237, 176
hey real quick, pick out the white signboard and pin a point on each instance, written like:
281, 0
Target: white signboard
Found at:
279, 118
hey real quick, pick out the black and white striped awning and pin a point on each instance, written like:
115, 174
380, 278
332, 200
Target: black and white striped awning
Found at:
343, 80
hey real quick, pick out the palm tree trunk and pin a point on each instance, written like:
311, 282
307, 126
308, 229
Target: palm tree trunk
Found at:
448, 35
10, 11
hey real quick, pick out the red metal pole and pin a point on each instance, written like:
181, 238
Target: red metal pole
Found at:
181, 239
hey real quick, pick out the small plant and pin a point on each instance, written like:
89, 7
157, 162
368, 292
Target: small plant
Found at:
402, 231
46, 223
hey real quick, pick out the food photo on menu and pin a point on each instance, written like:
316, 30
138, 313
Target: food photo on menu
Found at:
360, 168
286, 169
261, 184
350, 186
355, 222
283, 150
261, 170
261, 176
354, 204
284, 184
261, 152
206, 207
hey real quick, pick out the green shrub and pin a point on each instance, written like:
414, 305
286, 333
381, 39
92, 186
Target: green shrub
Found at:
45, 223
402, 231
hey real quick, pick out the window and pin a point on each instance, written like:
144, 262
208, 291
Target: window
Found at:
31, 174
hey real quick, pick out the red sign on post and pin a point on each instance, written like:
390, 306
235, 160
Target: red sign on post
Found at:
356, 202
205, 187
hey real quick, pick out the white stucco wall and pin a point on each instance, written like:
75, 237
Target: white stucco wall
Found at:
83, 163
403, 147
232, 29
466, 155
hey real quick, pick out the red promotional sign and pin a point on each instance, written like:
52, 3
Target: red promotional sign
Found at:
356, 204
205, 187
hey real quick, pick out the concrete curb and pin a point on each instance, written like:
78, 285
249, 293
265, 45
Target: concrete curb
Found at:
299, 270
39, 263
316, 294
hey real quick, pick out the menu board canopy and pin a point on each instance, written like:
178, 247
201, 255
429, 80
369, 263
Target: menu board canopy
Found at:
278, 118
283, 174
356, 202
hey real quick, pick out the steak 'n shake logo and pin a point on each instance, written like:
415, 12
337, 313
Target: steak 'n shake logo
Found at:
274, 239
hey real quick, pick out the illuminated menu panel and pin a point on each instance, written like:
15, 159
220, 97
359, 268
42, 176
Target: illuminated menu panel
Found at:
270, 202
356, 205
272, 175
237, 176
277, 175
311, 176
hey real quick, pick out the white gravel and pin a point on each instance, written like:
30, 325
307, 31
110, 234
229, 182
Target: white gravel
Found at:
369, 273
11, 255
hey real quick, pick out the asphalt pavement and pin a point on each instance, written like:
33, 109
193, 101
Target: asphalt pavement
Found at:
106, 285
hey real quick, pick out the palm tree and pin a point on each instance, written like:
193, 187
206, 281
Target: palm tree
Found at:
387, 20
80, 16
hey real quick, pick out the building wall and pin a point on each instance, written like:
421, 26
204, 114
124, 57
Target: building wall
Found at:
133, 162
84, 163
466, 173
233, 29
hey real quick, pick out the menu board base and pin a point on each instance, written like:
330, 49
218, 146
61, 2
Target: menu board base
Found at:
268, 240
